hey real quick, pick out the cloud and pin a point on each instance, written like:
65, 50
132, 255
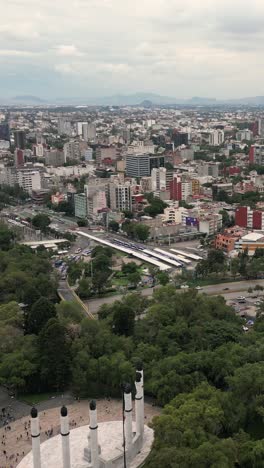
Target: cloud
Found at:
68, 51
16, 53
165, 46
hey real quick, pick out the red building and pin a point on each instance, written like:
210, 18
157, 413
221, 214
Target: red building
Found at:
252, 155
245, 217
234, 170
257, 219
241, 216
176, 188
19, 157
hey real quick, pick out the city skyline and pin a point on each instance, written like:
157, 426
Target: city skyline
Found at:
107, 48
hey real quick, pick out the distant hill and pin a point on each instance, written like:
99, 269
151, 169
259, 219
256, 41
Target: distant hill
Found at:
28, 99
136, 99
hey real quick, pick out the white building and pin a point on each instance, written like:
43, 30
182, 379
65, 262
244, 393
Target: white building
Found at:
244, 135
158, 179
216, 137
120, 196
96, 202
39, 149
79, 128
72, 150
88, 154
89, 132
29, 180
186, 188
64, 127
141, 148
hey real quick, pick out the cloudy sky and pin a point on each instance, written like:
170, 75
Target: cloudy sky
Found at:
179, 48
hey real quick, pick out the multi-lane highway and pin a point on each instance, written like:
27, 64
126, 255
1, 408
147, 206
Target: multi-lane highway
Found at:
228, 290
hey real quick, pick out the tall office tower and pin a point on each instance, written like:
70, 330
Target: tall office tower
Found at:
19, 157
216, 137
89, 132
72, 150
120, 196
141, 165
4, 131
20, 139
64, 127
79, 128
180, 138
261, 127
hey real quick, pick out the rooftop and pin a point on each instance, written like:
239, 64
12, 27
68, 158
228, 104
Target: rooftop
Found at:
253, 237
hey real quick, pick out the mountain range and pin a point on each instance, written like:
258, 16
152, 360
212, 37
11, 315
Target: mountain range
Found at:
141, 98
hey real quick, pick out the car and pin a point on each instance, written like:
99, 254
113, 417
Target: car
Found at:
198, 288
226, 289
240, 298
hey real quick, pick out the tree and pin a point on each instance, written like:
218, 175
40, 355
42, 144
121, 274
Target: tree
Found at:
85, 288
113, 226
123, 320
69, 312
163, 278
82, 222
41, 221
134, 278
156, 207
6, 237
142, 232
54, 356
258, 288
128, 214
41, 311
128, 268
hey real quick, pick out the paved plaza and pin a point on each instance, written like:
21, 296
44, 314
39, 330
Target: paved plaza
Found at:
15, 436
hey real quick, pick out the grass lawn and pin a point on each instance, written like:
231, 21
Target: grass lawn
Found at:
120, 281
35, 398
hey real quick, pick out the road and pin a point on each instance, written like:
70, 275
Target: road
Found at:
67, 294
234, 289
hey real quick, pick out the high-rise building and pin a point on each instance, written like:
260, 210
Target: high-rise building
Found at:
176, 188
180, 138
80, 205
79, 128
107, 152
89, 132
72, 150
19, 157
88, 154
4, 131
256, 155
54, 157
261, 127
26, 177
141, 165
244, 135
95, 203
120, 196
64, 127
248, 218
209, 169
216, 137
161, 179
20, 139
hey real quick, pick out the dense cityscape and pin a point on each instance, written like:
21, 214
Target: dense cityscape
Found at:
132, 236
